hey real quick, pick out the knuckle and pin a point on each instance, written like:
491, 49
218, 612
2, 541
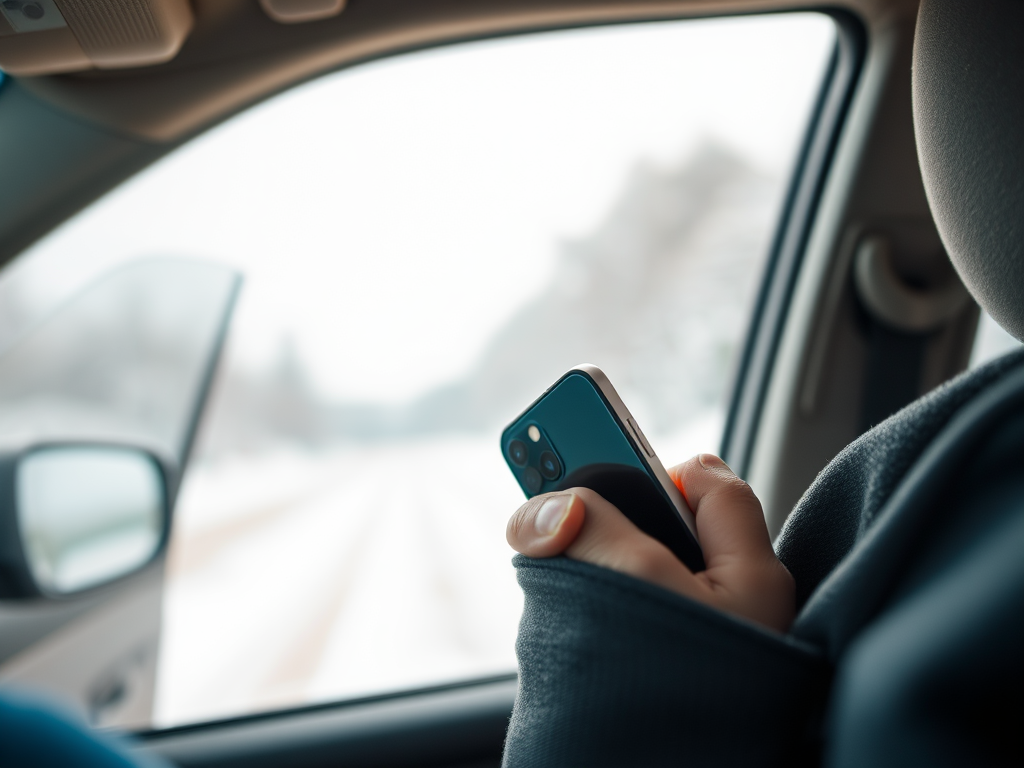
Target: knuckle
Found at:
737, 484
688, 469
738, 489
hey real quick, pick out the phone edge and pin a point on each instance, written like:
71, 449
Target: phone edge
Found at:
604, 385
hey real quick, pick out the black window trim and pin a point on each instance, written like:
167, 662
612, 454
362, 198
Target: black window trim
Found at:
459, 722
771, 308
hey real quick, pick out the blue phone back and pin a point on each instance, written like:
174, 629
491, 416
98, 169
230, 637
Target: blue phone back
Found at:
573, 422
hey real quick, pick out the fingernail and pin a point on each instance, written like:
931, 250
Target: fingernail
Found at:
551, 514
710, 461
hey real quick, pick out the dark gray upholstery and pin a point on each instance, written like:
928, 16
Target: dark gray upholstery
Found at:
968, 86
617, 672
842, 503
933, 676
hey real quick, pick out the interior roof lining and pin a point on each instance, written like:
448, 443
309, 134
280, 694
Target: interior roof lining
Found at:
237, 57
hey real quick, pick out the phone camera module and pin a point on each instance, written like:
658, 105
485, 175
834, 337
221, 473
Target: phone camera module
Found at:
549, 465
532, 480
518, 453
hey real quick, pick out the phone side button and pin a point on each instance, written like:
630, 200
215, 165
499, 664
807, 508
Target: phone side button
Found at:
640, 439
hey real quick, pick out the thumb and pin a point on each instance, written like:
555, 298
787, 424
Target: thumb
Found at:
545, 525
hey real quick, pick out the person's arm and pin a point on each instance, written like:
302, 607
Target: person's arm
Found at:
743, 575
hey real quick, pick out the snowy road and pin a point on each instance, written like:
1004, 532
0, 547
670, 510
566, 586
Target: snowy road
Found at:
297, 577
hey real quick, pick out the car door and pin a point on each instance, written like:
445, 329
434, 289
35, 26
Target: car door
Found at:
125, 360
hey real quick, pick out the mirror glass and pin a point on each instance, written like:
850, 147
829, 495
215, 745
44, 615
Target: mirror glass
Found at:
88, 514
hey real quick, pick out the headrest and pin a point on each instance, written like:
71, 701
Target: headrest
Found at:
969, 120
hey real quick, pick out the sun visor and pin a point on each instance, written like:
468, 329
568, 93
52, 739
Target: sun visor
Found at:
41, 37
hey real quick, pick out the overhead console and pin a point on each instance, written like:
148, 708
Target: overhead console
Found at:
44, 37
301, 11
40, 37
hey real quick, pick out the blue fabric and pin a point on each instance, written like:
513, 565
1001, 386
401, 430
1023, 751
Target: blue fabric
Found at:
36, 733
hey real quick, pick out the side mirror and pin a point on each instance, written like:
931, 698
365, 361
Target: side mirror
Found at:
78, 516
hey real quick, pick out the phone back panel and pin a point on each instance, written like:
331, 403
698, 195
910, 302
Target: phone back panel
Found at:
573, 421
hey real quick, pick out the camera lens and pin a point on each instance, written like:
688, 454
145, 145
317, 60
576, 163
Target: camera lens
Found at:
549, 466
531, 477
517, 452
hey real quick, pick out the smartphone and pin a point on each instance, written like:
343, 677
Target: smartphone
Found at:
579, 434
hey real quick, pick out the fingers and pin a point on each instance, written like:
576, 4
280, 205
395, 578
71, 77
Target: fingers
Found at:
743, 576
742, 569
545, 525
730, 522
584, 526
609, 539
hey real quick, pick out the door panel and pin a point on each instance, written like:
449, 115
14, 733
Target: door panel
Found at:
458, 727
128, 359
102, 657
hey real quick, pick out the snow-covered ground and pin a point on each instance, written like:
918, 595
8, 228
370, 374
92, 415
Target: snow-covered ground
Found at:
297, 577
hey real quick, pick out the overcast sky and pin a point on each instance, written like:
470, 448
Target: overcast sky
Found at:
390, 218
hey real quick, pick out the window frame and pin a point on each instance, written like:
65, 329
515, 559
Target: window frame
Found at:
751, 376
769, 314
800, 210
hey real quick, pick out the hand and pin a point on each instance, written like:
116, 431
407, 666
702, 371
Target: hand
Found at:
743, 575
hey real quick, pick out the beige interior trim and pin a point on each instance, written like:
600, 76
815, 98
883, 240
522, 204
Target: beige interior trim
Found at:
891, 299
236, 55
42, 52
812, 407
107, 34
301, 11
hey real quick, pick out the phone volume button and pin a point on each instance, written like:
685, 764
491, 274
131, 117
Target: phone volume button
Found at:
638, 436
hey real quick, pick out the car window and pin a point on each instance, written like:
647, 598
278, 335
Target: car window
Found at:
427, 242
990, 341
125, 361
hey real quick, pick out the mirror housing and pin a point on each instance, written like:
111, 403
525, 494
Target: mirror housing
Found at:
75, 516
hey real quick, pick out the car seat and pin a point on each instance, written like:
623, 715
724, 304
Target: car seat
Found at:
908, 549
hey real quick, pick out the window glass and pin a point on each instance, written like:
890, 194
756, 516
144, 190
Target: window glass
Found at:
427, 243
124, 361
990, 341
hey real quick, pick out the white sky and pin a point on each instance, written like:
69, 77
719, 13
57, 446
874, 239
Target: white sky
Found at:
390, 218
